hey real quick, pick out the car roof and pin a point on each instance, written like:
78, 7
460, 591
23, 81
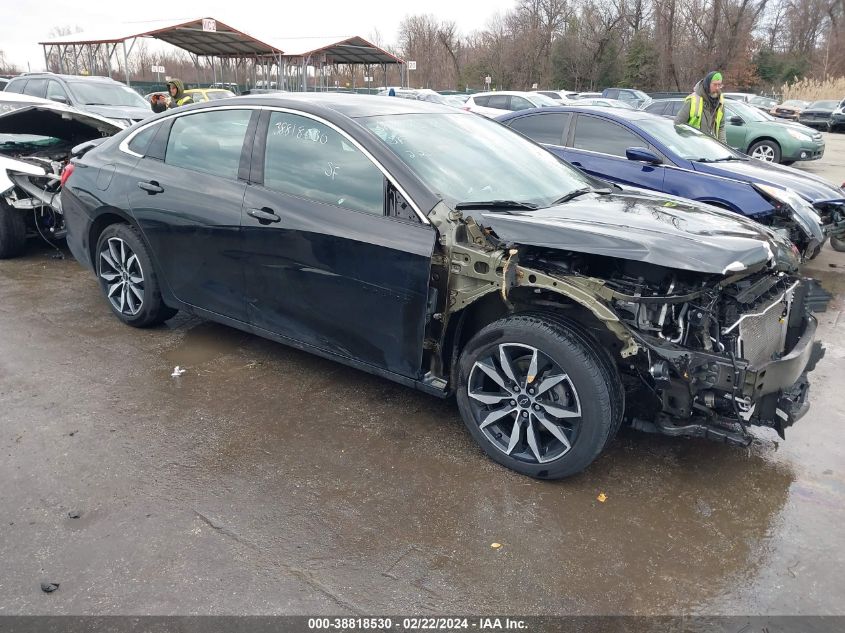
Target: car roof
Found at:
350, 105
519, 93
620, 114
46, 75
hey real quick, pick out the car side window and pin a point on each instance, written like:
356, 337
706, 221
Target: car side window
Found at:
657, 108
520, 103
209, 141
598, 135
676, 107
543, 128
16, 87
481, 101
36, 88
612, 93
624, 95
308, 159
55, 92
501, 102
141, 141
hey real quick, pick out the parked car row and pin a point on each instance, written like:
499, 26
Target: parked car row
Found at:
557, 290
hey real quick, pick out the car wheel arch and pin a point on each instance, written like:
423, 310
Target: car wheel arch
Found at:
762, 139
491, 307
107, 217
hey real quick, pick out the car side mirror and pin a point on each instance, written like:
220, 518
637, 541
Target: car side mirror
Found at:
735, 120
60, 99
643, 155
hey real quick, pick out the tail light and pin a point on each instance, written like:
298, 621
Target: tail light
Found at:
465, 108
66, 172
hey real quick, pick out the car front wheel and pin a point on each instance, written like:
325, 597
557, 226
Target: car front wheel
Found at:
837, 244
539, 396
12, 231
126, 275
767, 151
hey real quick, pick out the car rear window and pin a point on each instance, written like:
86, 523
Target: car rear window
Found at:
16, 86
210, 142
543, 128
36, 88
598, 135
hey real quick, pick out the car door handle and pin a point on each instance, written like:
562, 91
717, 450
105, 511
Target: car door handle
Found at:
151, 187
264, 215
576, 163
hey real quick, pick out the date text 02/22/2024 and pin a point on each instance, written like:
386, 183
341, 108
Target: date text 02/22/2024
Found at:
418, 624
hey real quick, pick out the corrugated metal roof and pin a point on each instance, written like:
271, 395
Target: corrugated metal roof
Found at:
189, 35
346, 49
227, 41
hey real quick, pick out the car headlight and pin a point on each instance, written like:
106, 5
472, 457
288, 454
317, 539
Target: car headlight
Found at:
803, 210
799, 136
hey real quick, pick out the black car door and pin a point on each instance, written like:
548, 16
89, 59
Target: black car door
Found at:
187, 196
325, 265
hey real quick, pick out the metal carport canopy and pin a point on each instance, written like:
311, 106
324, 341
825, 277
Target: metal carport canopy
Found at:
350, 49
189, 35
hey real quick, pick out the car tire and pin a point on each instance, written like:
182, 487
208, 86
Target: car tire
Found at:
837, 244
128, 279
12, 231
787, 162
768, 151
576, 406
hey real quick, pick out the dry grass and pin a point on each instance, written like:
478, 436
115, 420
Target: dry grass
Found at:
815, 89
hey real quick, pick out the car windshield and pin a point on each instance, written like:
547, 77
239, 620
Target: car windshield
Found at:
824, 105
747, 112
219, 94
763, 101
464, 157
17, 141
687, 142
794, 103
543, 101
102, 93
641, 95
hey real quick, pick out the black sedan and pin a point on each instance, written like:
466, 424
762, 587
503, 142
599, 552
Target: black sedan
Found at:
444, 251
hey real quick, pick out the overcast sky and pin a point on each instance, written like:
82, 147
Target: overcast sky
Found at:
27, 23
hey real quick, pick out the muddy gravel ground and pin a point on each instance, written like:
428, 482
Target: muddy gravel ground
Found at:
268, 481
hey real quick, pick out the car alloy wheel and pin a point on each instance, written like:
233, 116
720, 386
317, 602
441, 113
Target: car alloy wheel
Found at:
764, 152
524, 403
120, 269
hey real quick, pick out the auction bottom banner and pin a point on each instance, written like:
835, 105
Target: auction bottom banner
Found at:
458, 623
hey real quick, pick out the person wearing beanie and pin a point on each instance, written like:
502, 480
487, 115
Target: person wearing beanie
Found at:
177, 97
704, 109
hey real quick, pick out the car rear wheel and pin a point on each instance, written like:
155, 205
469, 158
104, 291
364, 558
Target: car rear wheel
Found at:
127, 277
539, 397
12, 231
767, 151
837, 244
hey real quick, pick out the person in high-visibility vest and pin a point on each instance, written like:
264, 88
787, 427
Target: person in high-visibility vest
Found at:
177, 97
704, 109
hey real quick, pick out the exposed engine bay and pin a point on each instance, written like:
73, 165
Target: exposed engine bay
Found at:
37, 140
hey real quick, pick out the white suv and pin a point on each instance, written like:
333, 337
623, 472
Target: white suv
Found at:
493, 104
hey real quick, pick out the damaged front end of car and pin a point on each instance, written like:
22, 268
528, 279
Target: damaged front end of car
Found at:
710, 335
37, 141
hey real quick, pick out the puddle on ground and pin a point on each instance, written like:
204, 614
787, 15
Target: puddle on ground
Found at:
204, 343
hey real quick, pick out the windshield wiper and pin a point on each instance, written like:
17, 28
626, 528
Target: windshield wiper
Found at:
724, 159
579, 192
496, 205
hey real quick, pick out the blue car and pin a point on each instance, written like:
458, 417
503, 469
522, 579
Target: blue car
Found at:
638, 149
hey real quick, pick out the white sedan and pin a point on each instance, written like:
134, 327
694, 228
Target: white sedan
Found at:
493, 104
